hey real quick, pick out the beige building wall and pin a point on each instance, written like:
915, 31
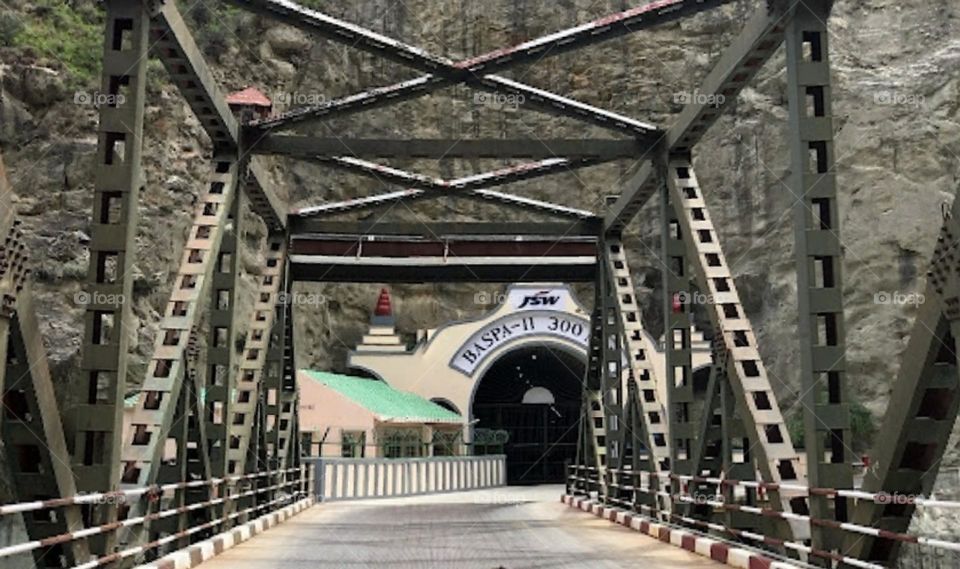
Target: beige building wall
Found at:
436, 367
324, 411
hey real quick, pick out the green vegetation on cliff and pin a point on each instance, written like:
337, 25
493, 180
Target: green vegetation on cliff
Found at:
57, 34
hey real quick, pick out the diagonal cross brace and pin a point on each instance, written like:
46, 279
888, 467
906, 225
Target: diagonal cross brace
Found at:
172, 42
153, 416
378, 201
442, 72
736, 67
482, 180
770, 440
924, 403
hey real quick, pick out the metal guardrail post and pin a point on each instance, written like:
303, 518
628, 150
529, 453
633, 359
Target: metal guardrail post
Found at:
319, 480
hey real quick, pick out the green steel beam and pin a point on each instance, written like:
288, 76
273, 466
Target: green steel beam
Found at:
818, 256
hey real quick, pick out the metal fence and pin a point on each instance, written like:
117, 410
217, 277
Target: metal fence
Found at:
355, 478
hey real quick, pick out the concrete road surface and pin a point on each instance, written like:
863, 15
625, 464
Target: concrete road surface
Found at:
509, 528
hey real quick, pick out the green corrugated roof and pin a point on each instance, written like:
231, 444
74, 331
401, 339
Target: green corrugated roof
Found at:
387, 403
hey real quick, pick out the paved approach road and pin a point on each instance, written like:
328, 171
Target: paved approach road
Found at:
512, 528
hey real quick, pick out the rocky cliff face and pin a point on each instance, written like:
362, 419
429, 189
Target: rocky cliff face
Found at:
895, 62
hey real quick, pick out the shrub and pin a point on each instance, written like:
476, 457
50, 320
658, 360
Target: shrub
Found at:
862, 428
72, 36
10, 26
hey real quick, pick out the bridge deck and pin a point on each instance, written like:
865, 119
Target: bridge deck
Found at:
512, 527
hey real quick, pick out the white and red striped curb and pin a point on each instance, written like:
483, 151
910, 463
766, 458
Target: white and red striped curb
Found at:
204, 550
710, 548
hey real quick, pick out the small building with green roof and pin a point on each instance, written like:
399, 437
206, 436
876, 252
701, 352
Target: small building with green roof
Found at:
352, 416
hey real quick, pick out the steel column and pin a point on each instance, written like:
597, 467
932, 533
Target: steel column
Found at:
93, 424
738, 460
174, 469
288, 428
707, 458
612, 371
678, 304
638, 349
818, 251
592, 447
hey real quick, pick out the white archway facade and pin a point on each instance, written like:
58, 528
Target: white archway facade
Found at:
448, 362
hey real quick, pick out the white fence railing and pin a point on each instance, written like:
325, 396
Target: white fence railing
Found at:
357, 478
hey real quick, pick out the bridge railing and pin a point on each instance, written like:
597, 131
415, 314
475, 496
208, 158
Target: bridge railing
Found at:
268, 490
583, 480
358, 478
625, 488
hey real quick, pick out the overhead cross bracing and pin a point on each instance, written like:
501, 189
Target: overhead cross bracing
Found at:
302, 146
491, 196
611, 26
476, 70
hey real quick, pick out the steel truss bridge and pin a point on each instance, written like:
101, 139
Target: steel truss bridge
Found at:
232, 418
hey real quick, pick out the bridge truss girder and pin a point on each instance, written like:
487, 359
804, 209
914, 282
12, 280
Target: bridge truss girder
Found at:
915, 431
173, 44
260, 422
31, 428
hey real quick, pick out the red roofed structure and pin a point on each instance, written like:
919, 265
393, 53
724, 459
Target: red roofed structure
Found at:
251, 96
250, 99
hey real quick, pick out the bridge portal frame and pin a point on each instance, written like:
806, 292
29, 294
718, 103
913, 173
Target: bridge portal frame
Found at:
739, 373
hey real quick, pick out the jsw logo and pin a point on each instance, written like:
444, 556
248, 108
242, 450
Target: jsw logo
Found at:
539, 299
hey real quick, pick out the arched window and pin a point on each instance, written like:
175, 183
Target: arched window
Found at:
538, 396
446, 404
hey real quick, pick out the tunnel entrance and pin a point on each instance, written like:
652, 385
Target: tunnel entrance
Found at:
533, 393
